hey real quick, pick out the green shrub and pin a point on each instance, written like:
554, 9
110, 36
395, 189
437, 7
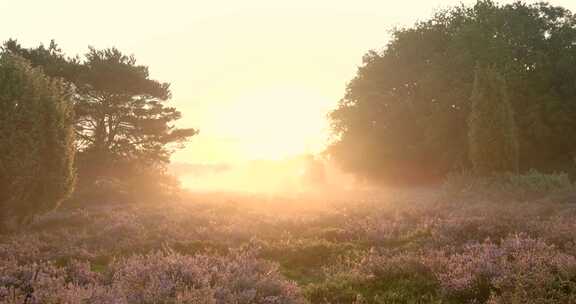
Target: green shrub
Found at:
377, 279
529, 185
36, 141
335, 290
302, 260
411, 289
535, 182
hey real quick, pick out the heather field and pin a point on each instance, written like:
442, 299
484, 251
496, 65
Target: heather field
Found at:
445, 245
288, 152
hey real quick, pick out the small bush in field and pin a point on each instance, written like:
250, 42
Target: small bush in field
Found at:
534, 183
305, 253
373, 277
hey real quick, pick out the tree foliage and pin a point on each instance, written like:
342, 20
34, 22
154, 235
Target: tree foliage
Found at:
123, 124
122, 116
492, 132
36, 140
404, 116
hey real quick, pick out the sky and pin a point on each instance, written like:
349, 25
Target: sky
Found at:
256, 77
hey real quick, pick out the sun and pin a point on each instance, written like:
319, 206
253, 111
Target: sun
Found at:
266, 132
280, 122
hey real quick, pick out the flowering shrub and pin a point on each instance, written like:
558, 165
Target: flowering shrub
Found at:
519, 270
239, 279
374, 277
156, 278
46, 283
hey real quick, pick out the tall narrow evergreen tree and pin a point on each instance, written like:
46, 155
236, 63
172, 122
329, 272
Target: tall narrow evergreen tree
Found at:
36, 141
492, 131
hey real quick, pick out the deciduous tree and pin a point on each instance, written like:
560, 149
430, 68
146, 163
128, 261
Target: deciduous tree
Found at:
404, 116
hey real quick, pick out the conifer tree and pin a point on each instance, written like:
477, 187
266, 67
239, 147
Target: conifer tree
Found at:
492, 131
36, 141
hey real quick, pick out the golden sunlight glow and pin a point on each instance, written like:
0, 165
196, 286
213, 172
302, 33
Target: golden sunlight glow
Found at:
277, 123
275, 128
286, 176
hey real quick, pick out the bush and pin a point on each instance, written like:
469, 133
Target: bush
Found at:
535, 183
302, 260
155, 278
518, 270
36, 141
373, 277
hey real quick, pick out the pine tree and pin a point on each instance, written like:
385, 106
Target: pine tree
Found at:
36, 141
492, 131
125, 126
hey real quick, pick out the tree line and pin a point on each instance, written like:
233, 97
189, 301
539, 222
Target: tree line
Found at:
75, 123
487, 88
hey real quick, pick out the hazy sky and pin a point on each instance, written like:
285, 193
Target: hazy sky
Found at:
257, 77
